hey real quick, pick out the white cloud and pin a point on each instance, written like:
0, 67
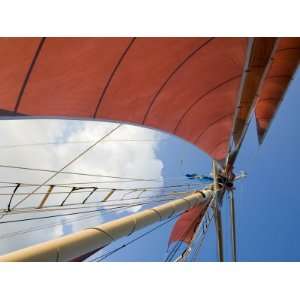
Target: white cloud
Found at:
124, 159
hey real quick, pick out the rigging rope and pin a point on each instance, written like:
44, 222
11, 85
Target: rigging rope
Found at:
37, 209
77, 142
204, 224
82, 212
63, 222
59, 208
202, 237
125, 179
58, 193
83, 206
71, 162
74, 173
180, 242
70, 185
109, 253
49, 225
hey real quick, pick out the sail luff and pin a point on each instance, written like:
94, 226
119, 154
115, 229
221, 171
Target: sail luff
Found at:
256, 69
77, 244
284, 65
257, 66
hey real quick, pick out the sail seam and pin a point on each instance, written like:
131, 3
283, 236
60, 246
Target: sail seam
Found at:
27, 77
218, 145
212, 124
112, 75
203, 97
171, 75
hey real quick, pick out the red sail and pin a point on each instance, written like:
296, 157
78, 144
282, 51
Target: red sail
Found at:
285, 62
186, 225
184, 86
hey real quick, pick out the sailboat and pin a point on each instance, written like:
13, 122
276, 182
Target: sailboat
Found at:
203, 90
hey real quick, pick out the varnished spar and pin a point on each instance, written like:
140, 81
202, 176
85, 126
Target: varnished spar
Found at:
74, 245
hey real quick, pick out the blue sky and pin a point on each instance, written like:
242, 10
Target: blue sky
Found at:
267, 205
267, 201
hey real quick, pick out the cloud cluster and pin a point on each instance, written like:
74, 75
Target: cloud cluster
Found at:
123, 159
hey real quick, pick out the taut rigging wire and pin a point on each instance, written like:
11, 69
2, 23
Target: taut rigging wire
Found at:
77, 142
84, 206
125, 179
200, 243
63, 222
180, 242
49, 225
53, 193
59, 207
204, 225
109, 253
74, 173
71, 162
82, 212
99, 189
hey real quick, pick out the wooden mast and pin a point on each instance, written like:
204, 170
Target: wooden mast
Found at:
233, 227
217, 213
74, 245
